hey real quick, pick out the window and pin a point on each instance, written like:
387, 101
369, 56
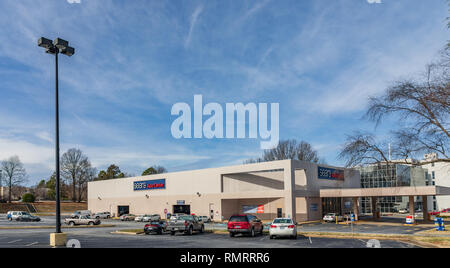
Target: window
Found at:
289, 221
238, 219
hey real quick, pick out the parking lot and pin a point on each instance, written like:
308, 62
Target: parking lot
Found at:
103, 237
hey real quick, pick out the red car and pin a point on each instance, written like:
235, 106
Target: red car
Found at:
245, 224
447, 210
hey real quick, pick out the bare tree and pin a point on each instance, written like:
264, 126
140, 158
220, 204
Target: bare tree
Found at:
289, 149
423, 107
15, 174
72, 168
87, 174
362, 149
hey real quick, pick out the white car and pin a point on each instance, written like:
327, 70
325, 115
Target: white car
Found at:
331, 217
14, 215
283, 227
139, 218
403, 211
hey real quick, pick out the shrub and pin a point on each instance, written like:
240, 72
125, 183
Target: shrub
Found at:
28, 198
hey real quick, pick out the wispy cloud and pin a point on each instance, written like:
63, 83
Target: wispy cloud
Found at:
193, 23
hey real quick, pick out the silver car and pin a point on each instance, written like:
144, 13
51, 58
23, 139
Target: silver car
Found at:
283, 227
102, 215
149, 218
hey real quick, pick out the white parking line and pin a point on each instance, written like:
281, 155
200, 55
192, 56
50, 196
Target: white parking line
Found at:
14, 241
32, 244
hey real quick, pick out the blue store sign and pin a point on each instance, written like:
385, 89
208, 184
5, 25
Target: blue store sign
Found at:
330, 174
149, 185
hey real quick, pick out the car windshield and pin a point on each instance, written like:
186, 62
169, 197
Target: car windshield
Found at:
238, 219
186, 218
282, 221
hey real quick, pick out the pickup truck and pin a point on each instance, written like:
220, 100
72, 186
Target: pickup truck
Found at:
81, 220
187, 224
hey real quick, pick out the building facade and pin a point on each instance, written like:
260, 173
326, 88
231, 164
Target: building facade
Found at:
286, 188
392, 175
438, 174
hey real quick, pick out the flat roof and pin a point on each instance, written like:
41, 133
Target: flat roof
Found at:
387, 191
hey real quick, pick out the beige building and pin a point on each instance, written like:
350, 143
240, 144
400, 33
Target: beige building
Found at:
287, 188
438, 174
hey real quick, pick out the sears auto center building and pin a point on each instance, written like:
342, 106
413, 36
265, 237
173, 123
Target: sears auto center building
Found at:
286, 188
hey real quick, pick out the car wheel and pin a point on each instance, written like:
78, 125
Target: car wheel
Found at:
252, 234
71, 223
191, 230
91, 223
172, 233
231, 234
271, 237
202, 230
294, 237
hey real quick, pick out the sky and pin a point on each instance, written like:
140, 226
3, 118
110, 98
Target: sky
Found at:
319, 59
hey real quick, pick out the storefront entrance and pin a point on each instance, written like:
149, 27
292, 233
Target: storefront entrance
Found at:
182, 209
121, 210
331, 205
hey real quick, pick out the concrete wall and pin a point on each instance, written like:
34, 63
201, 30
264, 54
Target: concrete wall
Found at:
442, 178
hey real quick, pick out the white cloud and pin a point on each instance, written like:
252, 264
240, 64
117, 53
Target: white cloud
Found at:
193, 22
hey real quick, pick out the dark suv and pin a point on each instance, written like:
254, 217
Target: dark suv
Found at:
245, 224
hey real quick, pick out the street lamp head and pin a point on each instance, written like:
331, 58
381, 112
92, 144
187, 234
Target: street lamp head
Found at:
45, 43
68, 51
60, 43
51, 50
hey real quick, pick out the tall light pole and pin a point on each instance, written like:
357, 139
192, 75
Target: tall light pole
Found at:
54, 48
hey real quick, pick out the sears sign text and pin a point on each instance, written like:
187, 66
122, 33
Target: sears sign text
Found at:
149, 185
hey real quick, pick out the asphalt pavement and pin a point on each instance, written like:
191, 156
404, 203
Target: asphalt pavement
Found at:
102, 237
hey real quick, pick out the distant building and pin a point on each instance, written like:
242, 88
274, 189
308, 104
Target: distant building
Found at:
438, 174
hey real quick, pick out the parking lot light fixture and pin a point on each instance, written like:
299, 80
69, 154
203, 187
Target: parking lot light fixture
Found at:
58, 46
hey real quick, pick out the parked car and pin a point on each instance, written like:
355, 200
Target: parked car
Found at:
81, 212
443, 211
244, 224
127, 217
331, 217
403, 210
204, 218
187, 224
155, 227
150, 218
139, 218
283, 227
102, 215
175, 216
81, 220
20, 216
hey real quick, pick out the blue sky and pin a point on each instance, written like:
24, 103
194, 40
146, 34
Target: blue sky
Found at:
320, 59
